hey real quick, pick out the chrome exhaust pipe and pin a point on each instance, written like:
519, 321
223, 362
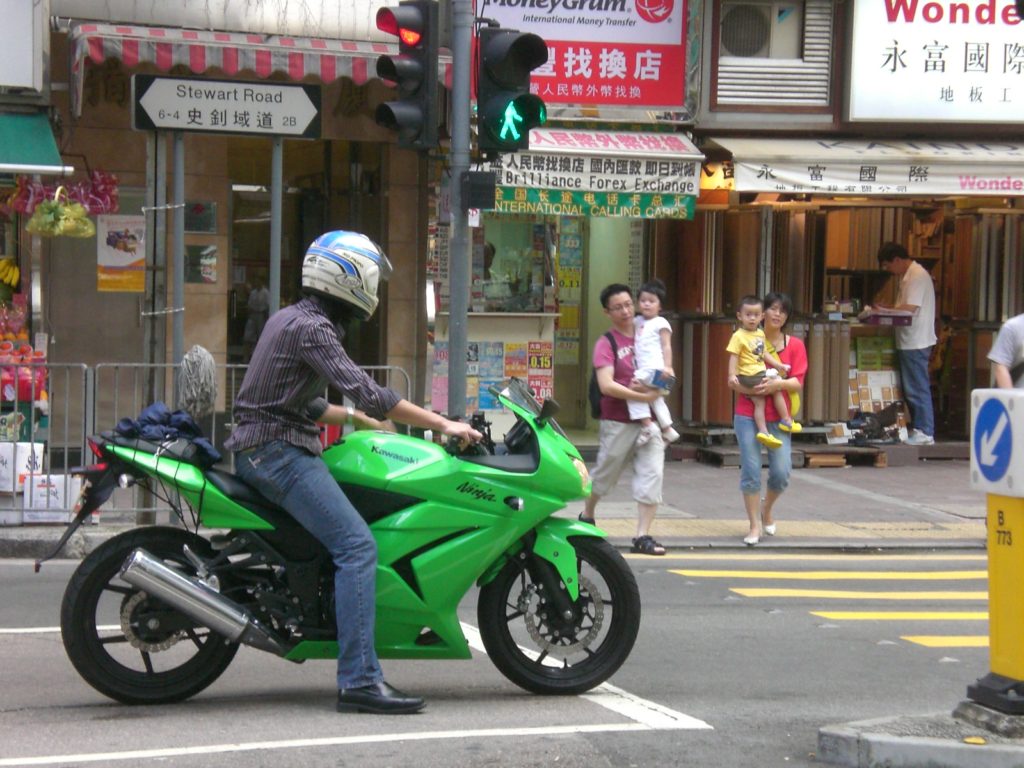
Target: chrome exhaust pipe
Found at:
199, 602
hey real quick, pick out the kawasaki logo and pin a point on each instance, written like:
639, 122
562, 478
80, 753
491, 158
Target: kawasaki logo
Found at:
476, 492
392, 455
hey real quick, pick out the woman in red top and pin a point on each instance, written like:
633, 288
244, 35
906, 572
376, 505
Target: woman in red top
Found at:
790, 350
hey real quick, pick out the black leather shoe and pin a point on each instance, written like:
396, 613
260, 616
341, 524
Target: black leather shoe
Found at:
378, 699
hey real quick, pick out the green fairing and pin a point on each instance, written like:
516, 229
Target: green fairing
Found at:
464, 533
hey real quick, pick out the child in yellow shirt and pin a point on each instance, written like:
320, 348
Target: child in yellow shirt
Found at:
749, 358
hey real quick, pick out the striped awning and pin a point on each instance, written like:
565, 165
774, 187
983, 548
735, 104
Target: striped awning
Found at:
230, 52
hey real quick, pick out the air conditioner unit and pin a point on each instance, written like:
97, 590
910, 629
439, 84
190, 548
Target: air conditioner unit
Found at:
762, 30
25, 40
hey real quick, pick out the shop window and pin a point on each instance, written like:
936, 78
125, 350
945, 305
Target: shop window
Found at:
773, 53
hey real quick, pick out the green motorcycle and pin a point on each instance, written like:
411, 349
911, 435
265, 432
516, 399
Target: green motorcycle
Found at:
157, 613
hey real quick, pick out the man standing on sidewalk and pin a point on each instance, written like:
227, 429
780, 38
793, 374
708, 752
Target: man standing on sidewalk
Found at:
1007, 355
613, 363
914, 342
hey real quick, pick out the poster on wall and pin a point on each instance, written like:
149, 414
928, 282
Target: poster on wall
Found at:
201, 264
489, 364
120, 253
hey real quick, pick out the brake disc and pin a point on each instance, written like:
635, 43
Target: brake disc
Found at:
131, 633
530, 603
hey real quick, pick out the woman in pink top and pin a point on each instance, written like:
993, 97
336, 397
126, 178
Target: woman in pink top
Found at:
792, 352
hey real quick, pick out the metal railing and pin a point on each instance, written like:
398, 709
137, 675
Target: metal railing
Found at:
42, 436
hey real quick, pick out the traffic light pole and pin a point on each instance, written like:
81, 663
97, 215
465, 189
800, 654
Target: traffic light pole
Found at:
458, 243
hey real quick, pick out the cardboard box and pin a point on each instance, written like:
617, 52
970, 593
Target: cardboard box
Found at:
17, 460
49, 498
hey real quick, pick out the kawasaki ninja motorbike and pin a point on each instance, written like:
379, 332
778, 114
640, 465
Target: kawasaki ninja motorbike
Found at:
157, 613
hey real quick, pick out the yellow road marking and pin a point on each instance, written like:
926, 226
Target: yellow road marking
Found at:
836, 575
903, 615
850, 595
834, 557
948, 641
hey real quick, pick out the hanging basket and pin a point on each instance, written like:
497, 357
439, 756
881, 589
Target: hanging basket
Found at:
60, 218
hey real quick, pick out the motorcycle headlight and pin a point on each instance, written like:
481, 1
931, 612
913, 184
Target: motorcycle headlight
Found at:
582, 469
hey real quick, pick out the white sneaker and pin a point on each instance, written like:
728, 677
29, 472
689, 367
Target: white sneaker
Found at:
917, 437
670, 435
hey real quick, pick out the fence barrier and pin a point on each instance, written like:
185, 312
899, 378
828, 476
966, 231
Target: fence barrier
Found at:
49, 410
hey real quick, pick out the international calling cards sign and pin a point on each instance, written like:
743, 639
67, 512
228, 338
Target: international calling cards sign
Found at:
612, 52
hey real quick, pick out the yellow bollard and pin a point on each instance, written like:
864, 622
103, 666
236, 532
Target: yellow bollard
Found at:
996, 427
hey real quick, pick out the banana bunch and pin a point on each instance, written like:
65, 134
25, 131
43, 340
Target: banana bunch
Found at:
10, 274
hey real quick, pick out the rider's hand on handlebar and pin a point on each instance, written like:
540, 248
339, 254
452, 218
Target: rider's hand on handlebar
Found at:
461, 430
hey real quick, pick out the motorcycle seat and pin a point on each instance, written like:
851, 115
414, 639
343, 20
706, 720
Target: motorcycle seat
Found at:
236, 488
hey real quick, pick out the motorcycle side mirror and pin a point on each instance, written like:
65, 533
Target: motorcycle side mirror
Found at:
547, 411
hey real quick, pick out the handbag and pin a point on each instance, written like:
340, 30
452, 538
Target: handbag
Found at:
60, 218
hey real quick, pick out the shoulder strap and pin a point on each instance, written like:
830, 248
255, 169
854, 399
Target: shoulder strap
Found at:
615, 347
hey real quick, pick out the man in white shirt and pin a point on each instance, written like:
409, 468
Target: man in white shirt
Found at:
1007, 355
914, 342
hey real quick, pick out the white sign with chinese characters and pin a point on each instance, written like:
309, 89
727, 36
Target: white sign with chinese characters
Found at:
881, 167
937, 61
225, 106
603, 162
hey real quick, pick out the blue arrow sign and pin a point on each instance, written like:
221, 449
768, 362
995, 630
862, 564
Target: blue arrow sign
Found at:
993, 440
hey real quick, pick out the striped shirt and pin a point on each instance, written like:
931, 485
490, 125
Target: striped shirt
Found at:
299, 353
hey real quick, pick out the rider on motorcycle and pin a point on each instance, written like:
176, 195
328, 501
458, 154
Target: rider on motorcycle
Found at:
277, 441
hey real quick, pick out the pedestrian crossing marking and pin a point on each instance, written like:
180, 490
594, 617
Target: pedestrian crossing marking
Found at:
902, 615
948, 641
840, 594
837, 575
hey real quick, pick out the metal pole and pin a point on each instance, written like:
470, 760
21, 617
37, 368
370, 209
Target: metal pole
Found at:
458, 253
276, 191
178, 309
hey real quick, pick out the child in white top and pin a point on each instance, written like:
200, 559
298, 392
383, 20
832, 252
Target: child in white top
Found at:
652, 356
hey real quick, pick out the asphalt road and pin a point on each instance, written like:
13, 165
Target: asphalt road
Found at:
721, 675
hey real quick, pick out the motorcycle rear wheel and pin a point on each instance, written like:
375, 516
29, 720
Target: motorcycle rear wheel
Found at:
547, 657
112, 632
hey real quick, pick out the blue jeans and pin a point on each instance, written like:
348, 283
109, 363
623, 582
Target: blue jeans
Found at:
917, 387
780, 461
299, 482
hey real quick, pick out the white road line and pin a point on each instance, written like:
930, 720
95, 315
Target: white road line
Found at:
617, 700
254, 746
646, 716
50, 630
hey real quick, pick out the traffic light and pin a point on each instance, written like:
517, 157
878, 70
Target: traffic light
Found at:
414, 72
506, 110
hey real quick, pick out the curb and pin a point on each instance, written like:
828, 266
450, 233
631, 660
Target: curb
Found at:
36, 542
865, 744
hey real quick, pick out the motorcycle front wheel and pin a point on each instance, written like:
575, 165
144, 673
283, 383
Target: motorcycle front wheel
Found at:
132, 647
549, 654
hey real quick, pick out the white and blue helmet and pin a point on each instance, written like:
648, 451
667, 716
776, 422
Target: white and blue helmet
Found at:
348, 267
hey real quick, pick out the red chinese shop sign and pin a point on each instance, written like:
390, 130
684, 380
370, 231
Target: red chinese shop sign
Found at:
609, 52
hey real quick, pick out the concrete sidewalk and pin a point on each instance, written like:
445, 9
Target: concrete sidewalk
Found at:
925, 505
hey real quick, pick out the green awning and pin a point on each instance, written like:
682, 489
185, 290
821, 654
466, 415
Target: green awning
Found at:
27, 145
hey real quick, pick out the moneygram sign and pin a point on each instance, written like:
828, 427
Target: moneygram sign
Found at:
612, 52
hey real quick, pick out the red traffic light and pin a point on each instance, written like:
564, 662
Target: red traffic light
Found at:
405, 22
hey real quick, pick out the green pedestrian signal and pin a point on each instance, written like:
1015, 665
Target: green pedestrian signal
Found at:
506, 110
